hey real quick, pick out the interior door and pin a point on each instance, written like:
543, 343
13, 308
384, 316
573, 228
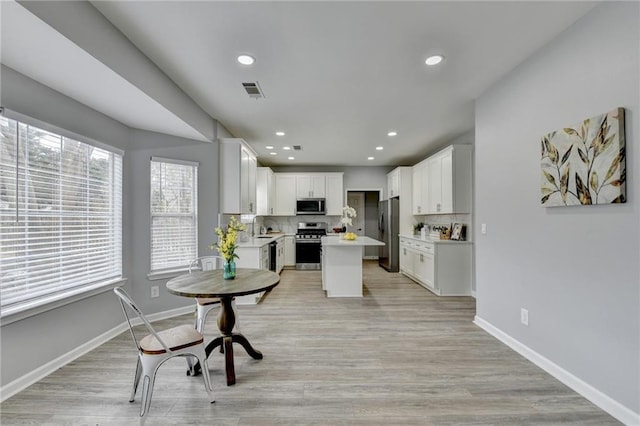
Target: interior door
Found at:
356, 200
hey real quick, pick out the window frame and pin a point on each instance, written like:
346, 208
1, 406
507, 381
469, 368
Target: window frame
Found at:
171, 271
56, 299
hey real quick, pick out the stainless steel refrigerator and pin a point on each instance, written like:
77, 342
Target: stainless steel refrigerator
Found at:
388, 226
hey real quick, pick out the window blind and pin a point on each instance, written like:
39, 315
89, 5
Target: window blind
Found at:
60, 215
174, 214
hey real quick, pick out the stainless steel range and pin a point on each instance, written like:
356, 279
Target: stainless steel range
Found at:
308, 244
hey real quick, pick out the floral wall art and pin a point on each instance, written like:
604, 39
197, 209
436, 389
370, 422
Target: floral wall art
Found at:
585, 163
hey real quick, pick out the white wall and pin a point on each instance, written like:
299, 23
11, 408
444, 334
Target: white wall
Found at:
575, 269
144, 145
33, 342
37, 340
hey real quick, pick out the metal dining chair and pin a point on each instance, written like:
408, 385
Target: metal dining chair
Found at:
159, 346
205, 305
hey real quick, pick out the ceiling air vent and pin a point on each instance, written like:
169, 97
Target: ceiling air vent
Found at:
253, 90
297, 148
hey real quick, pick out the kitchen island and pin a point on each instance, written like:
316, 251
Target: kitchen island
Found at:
342, 265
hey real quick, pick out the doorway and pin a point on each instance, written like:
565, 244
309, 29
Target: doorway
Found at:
366, 204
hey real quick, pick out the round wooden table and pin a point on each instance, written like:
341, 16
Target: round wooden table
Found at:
210, 284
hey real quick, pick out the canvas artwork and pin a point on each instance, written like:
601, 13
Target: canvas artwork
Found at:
585, 164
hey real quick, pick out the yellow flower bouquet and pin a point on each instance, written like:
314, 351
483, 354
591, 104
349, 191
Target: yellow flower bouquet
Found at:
227, 239
226, 245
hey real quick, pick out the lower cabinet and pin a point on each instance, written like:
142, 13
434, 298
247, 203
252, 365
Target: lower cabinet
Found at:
290, 250
279, 255
252, 257
442, 267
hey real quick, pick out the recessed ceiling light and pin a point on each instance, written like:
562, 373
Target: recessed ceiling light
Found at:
286, 148
291, 158
379, 148
370, 158
273, 153
269, 146
434, 60
279, 133
246, 59
392, 134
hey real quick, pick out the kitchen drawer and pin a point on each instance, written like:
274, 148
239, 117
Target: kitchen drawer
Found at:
424, 247
407, 242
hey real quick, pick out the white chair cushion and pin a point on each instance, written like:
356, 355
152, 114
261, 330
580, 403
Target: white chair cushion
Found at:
175, 338
203, 302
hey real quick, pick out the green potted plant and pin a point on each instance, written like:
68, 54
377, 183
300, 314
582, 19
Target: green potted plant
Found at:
417, 227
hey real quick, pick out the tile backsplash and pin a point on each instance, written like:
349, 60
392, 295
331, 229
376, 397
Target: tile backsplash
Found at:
435, 222
289, 224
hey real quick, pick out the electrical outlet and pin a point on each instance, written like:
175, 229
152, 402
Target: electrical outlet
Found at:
483, 228
524, 316
155, 291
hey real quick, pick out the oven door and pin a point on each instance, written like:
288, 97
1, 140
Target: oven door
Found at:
308, 254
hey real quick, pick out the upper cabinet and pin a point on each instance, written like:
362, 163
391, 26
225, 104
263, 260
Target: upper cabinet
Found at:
277, 192
238, 168
399, 182
285, 194
393, 183
334, 194
448, 181
311, 185
420, 187
265, 192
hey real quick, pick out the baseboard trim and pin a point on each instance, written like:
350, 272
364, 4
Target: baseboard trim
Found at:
23, 382
605, 402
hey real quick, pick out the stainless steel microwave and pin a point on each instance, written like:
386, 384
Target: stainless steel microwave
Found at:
310, 206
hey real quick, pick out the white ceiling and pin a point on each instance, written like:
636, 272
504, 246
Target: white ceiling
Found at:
337, 75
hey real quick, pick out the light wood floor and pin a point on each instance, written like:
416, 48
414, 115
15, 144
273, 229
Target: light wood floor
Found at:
398, 356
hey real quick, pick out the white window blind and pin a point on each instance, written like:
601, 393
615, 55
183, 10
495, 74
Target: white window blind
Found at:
60, 215
174, 214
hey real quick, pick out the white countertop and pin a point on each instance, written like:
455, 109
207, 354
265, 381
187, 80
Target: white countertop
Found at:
259, 241
431, 240
360, 241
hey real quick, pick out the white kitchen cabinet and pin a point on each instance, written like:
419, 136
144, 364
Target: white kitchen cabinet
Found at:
443, 267
334, 193
399, 182
423, 264
256, 258
449, 181
279, 255
285, 194
310, 185
407, 257
419, 183
399, 185
289, 250
393, 183
238, 168
265, 192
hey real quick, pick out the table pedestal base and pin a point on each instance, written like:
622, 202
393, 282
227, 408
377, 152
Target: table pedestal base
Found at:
226, 321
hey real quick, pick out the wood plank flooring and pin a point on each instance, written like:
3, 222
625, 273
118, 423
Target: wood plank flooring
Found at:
398, 356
